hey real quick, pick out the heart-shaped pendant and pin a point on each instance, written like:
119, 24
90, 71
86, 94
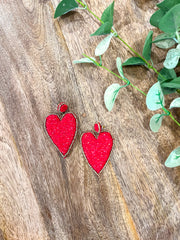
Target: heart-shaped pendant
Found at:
97, 150
62, 131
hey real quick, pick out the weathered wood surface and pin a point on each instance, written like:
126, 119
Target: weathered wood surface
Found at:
44, 197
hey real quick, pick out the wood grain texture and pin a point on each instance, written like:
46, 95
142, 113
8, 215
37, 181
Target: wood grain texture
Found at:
44, 197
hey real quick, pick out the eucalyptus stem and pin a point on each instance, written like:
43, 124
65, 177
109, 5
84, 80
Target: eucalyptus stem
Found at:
113, 73
178, 37
150, 66
89, 10
168, 113
171, 116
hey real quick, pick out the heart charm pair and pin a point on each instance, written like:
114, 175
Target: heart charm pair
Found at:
63, 132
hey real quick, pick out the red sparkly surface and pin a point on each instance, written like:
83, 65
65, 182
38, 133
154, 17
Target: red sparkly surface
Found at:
62, 132
63, 108
97, 127
97, 150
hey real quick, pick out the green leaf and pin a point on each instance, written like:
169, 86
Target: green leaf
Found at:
107, 18
165, 44
103, 45
108, 13
133, 61
156, 17
147, 46
174, 83
167, 4
119, 66
155, 97
164, 40
167, 90
64, 7
171, 20
174, 158
111, 94
156, 122
166, 75
172, 58
164, 36
103, 29
84, 60
175, 103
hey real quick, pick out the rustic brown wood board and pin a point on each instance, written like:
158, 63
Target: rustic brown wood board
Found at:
43, 196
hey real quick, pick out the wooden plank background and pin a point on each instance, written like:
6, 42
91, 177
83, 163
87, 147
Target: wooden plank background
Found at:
43, 196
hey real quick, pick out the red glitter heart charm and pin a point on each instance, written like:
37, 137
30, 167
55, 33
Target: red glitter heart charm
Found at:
97, 150
62, 131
